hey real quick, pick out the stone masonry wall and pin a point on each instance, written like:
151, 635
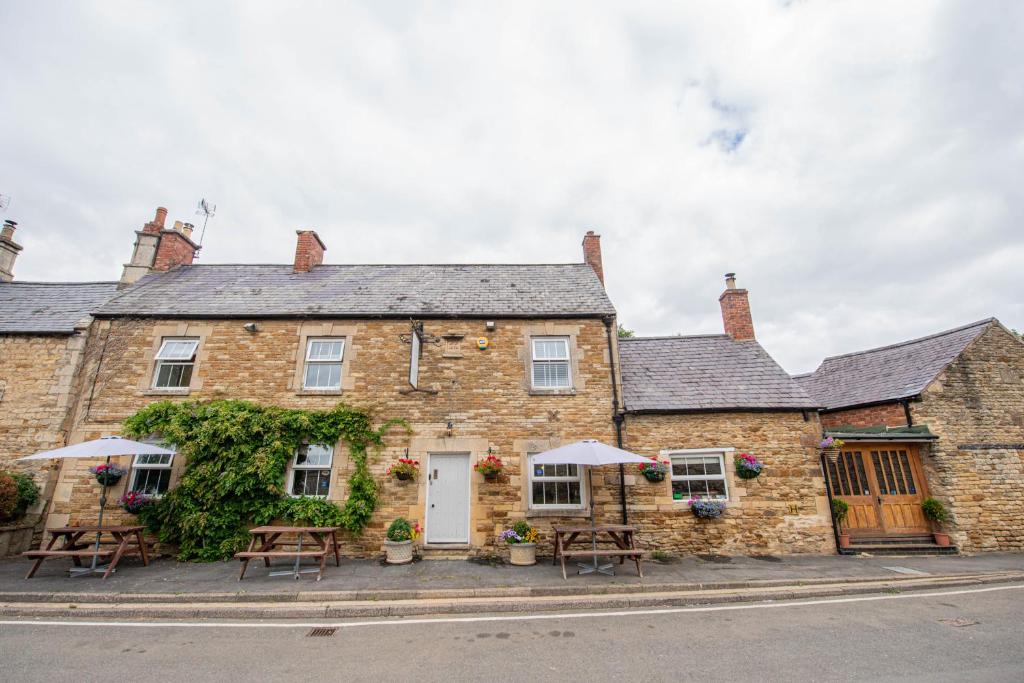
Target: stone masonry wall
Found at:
784, 510
484, 394
976, 407
888, 414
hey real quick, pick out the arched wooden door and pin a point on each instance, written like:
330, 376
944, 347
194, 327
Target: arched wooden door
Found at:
884, 485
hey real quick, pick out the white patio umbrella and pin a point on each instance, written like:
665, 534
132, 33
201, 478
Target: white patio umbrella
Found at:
107, 446
590, 453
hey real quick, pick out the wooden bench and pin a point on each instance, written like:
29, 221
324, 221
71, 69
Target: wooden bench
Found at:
266, 539
127, 541
622, 536
36, 554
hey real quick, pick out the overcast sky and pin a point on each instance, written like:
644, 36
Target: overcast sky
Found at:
860, 165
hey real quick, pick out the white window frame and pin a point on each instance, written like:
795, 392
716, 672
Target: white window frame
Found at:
534, 361
699, 452
163, 358
138, 466
305, 467
340, 362
554, 506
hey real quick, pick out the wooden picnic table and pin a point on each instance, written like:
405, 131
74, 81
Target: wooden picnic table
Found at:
266, 542
127, 541
622, 536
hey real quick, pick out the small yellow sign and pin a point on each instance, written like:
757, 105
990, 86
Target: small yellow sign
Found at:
482, 343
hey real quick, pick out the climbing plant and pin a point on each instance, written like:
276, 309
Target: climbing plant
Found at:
236, 455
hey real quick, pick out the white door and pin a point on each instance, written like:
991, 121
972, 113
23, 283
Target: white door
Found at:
448, 498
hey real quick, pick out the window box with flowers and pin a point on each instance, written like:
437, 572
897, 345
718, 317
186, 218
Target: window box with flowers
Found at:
405, 469
706, 509
490, 467
108, 475
522, 543
748, 466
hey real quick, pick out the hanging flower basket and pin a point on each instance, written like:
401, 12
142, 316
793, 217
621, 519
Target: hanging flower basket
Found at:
831, 446
133, 502
108, 475
490, 467
706, 509
748, 467
405, 469
654, 471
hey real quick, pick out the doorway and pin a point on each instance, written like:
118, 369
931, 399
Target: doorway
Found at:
447, 519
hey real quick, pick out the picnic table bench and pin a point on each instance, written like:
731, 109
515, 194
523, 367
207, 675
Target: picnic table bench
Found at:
266, 541
622, 536
127, 541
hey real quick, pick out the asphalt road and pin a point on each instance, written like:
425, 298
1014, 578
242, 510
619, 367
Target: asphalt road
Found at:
955, 634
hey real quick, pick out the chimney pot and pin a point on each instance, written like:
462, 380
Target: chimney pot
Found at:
161, 216
730, 280
592, 253
177, 226
8, 229
9, 250
187, 229
736, 311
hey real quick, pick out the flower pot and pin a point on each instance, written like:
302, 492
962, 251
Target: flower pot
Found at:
844, 540
491, 477
403, 476
941, 538
654, 476
108, 479
398, 552
523, 554
744, 473
831, 454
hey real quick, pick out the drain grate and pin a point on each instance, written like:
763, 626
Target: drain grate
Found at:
321, 632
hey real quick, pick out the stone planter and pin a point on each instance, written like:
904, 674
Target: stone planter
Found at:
523, 554
940, 538
398, 552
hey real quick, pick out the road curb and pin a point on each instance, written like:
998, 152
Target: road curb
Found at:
337, 609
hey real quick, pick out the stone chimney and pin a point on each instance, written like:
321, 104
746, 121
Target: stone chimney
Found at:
309, 251
592, 253
736, 311
158, 249
8, 251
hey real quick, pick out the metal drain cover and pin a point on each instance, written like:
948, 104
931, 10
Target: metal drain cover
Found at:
321, 632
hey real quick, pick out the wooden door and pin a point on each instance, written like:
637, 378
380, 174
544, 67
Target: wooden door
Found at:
900, 485
448, 498
851, 479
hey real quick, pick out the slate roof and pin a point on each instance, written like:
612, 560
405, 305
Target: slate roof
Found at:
888, 373
550, 290
49, 307
708, 372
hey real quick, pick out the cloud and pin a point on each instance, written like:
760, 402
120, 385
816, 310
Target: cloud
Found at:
859, 169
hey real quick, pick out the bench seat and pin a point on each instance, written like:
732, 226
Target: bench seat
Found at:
253, 554
67, 553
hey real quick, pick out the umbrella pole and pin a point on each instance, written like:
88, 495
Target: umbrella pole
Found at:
92, 568
595, 567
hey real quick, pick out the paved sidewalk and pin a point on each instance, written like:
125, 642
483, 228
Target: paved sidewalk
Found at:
370, 577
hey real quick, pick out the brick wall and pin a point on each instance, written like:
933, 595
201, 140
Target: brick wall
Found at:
888, 414
976, 407
174, 250
484, 394
736, 316
784, 510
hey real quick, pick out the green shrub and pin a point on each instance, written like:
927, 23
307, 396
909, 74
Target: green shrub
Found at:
311, 511
402, 530
8, 497
28, 492
840, 509
934, 511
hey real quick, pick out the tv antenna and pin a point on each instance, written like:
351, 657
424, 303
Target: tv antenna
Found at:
207, 211
5, 201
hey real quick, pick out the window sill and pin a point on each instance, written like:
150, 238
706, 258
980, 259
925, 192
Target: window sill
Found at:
319, 392
552, 392
567, 512
167, 392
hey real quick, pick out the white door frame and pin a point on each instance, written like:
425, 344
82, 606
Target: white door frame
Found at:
469, 501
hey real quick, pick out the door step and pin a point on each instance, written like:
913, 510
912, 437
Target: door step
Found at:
901, 549
447, 551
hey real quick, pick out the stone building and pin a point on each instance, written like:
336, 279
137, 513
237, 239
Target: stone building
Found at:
698, 402
941, 416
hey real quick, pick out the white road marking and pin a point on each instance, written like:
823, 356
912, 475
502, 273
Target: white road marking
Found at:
514, 617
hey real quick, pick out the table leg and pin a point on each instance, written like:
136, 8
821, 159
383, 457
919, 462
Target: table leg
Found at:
122, 545
39, 562
142, 548
337, 553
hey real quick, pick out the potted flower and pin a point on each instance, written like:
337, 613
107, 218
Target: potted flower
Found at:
405, 469
748, 466
400, 536
654, 471
490, 467
840, 510
830, 446
133, 502
706, 509
522, 543
108, 475
936, 513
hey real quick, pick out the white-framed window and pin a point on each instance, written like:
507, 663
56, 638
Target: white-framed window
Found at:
323, 363
556, 487
699, 473
551, 363
311, 470
151, 473
174, 363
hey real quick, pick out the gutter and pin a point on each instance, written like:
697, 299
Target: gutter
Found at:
618, 417
347, 316
740, 409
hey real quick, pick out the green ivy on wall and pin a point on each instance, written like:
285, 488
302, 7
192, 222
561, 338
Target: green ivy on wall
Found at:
237, 454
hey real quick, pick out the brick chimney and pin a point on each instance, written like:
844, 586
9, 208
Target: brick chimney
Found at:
592, 253
158, 249
736, 311
309, 251
8, 251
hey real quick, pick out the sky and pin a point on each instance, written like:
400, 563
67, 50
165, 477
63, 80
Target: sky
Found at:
859, 165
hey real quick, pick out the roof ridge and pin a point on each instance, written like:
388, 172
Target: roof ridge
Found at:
385, 265
674, 336
908, 342
63, 284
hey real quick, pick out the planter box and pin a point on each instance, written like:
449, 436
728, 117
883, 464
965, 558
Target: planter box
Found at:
523, 554
398, 552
